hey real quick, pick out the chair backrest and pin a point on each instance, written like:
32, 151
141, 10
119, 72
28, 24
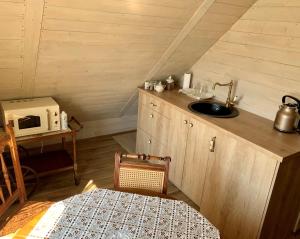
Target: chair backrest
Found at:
12, 184
141, 173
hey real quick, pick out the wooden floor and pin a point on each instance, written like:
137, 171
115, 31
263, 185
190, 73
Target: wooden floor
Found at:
126, 140
95, 166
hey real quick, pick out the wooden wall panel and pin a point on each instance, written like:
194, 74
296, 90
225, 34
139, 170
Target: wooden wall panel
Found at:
147, 8
12, 9
92, 55
71, 14
11, 47
32, 23
261, 52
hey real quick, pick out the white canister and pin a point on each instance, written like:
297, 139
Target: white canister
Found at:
64, 120
186, 80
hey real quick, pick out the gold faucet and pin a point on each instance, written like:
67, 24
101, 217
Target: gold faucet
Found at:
229, 101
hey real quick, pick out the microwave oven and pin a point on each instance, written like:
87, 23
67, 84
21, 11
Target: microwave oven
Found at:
31, 116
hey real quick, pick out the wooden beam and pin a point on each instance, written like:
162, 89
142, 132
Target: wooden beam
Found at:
33, 24
199, 13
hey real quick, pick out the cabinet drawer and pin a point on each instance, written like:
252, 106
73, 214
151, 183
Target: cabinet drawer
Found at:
145, 121
155, 104
145, 144
154, 124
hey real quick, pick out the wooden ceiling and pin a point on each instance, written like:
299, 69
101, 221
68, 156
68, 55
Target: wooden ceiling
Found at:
91, 55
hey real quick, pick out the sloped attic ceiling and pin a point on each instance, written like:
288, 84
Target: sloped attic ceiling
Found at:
91, 55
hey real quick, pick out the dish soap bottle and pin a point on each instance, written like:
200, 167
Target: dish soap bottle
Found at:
64, 120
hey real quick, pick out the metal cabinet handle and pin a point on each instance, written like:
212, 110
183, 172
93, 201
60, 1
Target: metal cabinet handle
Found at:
191, 125
151, 115
153, 104
212, 144
185, 121
149, 141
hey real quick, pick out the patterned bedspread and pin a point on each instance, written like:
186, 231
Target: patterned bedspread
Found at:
104, 213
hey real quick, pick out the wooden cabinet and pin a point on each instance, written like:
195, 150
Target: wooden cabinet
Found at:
227, 178
243, 175
238, 179
153, 127
189, 150
177, 145
146, 144
189, 142
197, 154
143, 142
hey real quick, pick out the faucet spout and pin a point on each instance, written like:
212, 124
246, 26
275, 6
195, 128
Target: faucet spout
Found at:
229, 102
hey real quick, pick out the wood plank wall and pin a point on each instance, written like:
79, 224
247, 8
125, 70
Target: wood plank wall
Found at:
11, 47
215, 23
91, 55
262, 53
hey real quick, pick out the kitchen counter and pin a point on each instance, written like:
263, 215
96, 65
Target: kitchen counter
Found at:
247, 126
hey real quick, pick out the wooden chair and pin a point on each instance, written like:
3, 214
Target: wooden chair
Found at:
141, 174
13, 217
8, 194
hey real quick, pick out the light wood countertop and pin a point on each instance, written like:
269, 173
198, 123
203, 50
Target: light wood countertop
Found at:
248, 126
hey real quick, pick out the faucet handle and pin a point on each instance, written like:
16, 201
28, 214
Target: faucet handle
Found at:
232, 102
235, 99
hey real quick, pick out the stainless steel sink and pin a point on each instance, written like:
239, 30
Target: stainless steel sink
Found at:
213, 109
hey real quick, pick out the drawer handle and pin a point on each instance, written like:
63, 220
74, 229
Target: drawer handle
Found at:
191, 125
149, 141
151, 116
185, 121
212, 144
154, 105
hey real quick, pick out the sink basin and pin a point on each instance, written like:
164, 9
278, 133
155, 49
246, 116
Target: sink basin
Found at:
213, 109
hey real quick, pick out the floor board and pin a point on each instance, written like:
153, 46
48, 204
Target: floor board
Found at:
126, 140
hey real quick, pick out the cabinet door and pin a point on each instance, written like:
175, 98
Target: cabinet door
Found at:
177, 145
145, 119
159, 149
143, 142
237, 184
196, 157
160, 127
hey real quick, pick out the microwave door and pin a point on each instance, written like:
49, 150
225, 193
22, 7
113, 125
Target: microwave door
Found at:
31, 123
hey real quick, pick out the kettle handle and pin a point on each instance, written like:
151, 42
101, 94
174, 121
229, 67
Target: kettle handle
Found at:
292, 97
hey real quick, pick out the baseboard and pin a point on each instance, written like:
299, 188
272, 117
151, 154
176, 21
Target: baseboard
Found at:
107, 126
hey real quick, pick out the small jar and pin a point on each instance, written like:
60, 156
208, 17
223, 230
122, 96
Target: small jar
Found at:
151, 87
170, 83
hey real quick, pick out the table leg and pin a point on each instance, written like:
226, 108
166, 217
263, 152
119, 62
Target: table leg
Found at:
76, 176
63, 142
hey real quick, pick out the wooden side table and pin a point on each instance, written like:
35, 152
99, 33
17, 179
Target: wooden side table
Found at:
53, 161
